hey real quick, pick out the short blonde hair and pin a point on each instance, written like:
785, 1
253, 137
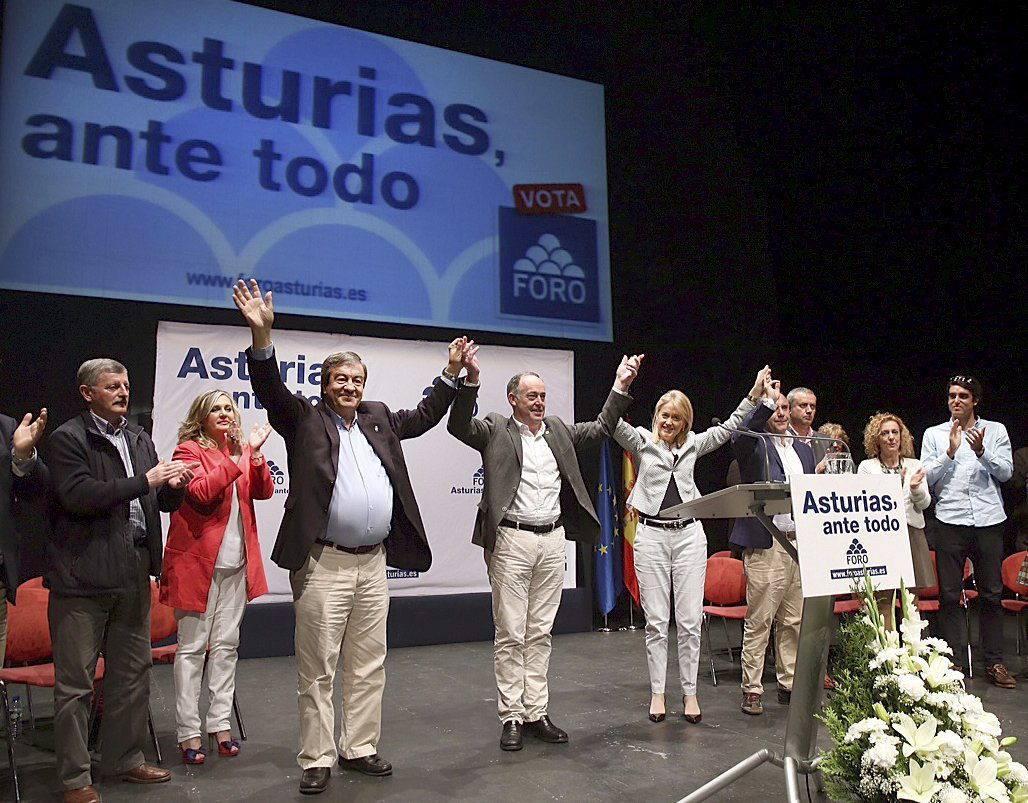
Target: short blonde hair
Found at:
874, 429
834, 431
681, 401
192, 428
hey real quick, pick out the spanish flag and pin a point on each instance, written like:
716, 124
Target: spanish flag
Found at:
630, 520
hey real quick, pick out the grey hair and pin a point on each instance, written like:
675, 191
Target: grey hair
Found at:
337, 359
792, 394
91, 370
515, 382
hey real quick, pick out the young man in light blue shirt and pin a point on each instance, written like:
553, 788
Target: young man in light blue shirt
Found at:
965, 460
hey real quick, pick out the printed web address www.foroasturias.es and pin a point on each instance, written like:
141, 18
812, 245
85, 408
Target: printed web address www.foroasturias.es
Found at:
297, 288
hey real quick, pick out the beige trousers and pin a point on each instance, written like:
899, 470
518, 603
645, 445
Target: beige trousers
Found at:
773, 593
526, 572
217, 626
341, 603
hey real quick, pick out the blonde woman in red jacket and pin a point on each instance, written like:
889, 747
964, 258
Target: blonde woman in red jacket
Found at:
212, 563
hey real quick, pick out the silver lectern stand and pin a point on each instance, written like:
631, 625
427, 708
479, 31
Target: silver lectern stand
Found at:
763, 500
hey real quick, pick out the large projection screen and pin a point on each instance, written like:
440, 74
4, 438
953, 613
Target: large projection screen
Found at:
160, 150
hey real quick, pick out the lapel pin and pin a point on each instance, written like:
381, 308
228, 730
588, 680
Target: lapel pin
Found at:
376, 427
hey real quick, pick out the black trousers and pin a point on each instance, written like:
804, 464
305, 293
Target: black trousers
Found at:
954, 544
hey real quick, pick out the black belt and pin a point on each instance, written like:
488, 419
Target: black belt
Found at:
532, 528
363, 549
665, 524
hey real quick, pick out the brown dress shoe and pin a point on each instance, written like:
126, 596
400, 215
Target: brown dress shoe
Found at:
751, 704
999, 676
146, 773
84, 794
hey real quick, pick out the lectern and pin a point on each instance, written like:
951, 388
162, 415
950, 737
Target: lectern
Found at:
763, 500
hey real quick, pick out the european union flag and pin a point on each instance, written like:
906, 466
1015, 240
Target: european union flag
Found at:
608, 552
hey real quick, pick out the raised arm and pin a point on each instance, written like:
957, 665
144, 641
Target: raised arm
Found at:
628, 437
717, 436
617, 404
284, 409
412, 423
462, 423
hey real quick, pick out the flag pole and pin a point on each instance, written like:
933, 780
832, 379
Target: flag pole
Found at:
631, 615
605, 628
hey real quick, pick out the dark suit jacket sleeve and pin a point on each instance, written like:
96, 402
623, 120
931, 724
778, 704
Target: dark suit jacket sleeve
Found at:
615, 407
462, 425
37, 479
77, 491
412, 423
284, 409
743, 446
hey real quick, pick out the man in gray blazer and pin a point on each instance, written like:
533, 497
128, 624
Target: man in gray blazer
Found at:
533, 499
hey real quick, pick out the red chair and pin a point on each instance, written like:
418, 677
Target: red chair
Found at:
725, 594
30, 655
724, 553
1009, 571
847, 604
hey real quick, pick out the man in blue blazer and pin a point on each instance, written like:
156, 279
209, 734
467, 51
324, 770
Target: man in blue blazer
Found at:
773, 591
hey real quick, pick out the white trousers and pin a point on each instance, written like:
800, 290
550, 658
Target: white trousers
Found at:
667, 560
341, 603
526, 572
213, 634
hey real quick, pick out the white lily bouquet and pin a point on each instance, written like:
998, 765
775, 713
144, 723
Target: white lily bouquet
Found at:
905, 727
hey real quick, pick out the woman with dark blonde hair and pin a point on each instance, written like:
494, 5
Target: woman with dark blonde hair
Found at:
673, 552
890, 450
213, 564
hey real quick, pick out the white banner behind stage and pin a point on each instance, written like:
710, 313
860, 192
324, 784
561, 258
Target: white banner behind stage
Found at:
446, 474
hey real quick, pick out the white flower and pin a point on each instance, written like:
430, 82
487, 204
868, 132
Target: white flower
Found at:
983, 723
950, 743
938, 645
971, 703
1019, 773
981, 774
888, 655
910, 628
951, 794
864, 727
912, 686
882, 754
920, 739
938, 672
920, 786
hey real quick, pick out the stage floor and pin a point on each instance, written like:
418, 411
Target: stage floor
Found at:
441, 733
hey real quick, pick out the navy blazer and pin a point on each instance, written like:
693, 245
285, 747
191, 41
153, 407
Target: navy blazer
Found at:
749, 452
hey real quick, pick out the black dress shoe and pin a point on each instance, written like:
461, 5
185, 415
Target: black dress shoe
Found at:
368, 765
315, 780
510, 739
546, 731
784, 696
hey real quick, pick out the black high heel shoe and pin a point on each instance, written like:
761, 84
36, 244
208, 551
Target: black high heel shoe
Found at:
692, 719
656, 717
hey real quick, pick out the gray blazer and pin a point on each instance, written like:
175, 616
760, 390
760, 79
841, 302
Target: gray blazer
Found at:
657, 464
497, 438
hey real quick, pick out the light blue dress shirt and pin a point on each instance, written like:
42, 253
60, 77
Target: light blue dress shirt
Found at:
362, 499
966, 488
117, 436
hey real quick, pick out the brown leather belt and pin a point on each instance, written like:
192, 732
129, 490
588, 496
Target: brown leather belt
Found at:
364, 549
532, 528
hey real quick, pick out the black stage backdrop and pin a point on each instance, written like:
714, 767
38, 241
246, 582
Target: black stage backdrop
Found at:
836, 191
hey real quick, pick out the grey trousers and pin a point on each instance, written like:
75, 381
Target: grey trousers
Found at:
80, 627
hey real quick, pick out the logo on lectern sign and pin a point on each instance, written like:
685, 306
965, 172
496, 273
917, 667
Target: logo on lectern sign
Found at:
849, 525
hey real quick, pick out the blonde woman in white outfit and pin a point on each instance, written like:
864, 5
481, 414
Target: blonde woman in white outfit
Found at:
671, 553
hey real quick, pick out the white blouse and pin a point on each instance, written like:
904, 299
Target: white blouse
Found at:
916, 500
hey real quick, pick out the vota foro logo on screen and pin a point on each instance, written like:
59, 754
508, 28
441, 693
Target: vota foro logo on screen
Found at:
548, 267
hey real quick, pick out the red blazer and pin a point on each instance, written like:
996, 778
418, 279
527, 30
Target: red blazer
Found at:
198, 526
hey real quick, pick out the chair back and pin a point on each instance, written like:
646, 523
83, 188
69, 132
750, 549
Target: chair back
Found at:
1009, 571
163, 624
28, 628
931, 592
726, 581
724, 553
